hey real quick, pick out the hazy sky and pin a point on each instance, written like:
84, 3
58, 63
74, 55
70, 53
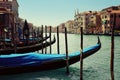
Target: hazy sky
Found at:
54, 12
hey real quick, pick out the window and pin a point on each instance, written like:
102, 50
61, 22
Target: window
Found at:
91, 16
105, 16
81, 23
111, 15
119, 16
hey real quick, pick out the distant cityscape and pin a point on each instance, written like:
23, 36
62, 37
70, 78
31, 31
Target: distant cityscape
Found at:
93, 22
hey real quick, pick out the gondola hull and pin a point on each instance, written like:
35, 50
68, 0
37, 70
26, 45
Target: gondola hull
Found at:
29, 62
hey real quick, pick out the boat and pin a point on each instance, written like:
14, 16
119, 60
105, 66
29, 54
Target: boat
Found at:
26, 49
22, 42
30, 62
32, 41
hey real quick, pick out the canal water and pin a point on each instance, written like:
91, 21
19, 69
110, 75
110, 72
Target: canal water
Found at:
95, 67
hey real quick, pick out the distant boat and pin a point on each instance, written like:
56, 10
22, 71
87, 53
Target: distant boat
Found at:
32, 41
21, 42
30, 62
26, 49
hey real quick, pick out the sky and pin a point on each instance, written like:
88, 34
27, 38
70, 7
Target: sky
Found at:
55, 12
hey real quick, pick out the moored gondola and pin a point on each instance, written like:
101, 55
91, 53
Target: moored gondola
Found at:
29, 62
26, 49
22, 42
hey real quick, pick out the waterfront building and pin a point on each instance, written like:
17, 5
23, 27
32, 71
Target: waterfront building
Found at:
81, 20
61, 27
9, 15
94, 24
107, 16
12, 6
48, 29
90, 21
77, 18
54, 29
6, 23
69, 25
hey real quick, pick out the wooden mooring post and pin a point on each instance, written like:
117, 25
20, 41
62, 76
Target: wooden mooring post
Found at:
42, 38
112, 49
15, 44
32, 35
81, 55
38, 32
67, 58
58, 48
45, 36
50, 41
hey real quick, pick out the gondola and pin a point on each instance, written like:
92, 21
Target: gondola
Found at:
22, 42
30, 62
26, 49
37, 39
32, 41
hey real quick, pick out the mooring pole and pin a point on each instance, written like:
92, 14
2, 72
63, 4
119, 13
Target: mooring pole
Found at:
81, 55
67, 59
45, 37
23, 35
4, 39
42, 37
112, 49
12, 32
15, 45
38, 37
38, 32
50, 41
58, 48
32, 35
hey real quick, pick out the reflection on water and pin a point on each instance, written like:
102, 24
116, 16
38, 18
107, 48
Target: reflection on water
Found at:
96, 67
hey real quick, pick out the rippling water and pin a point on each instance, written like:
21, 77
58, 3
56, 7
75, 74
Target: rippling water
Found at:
96, 67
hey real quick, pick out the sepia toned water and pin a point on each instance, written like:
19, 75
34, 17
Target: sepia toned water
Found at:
95, 67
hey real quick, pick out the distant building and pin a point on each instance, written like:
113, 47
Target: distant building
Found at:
90, 21
61, 27
107, 16
77, 21
94, 25
69, 25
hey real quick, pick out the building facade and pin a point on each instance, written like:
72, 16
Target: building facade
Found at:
107, 16
9, 17
90, 21
11, 5
69, 25
6, 23
94, 24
